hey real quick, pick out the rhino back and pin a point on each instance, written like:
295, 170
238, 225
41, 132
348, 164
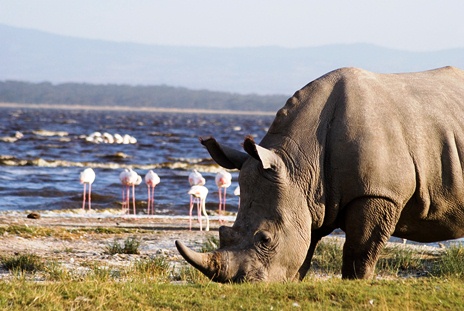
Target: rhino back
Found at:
354, 133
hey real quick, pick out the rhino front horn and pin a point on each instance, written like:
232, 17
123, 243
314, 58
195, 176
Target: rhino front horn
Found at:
205, 262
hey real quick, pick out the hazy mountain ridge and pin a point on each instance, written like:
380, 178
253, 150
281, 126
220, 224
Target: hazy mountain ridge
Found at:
35, 56
114, 95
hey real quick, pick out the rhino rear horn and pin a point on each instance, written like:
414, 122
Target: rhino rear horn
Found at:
224, 156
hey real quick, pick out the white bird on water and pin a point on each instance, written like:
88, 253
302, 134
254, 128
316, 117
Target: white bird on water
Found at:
223, 180
87, 176
200, 192
151, 179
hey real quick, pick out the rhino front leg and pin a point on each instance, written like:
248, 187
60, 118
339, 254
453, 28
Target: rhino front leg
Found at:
316, 236
369, 223
309, 256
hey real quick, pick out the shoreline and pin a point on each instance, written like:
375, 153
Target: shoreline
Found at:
138, 109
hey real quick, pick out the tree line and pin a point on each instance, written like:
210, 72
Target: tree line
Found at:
160, 96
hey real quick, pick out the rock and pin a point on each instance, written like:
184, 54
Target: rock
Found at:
34, 215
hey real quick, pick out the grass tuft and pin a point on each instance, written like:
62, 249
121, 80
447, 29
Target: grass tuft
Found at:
399, 259
157, 268
191, 275
328, 257
23, 263
211, 244
451, 263
130, 246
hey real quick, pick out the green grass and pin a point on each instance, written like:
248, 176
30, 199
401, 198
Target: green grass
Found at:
211, 244
140, 294
451, 263
156, 283
63, 233
130, 246
23, 263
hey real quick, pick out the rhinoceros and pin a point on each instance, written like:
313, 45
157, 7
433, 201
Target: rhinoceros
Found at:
376, 155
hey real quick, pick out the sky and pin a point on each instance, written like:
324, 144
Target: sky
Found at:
414, 25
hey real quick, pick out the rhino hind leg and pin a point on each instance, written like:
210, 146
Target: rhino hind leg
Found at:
368, 224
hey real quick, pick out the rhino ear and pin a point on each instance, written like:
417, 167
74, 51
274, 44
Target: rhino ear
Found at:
267, 157
224, 156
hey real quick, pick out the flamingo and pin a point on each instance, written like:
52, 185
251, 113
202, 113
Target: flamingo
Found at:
151, 179
223, 180
129, 178
195, 179
87, 176
200, 192
135, 180
124, 177
237, 193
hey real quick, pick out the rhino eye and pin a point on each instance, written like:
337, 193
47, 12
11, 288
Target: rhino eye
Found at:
263, 237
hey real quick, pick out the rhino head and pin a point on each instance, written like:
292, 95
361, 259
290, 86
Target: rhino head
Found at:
272, 232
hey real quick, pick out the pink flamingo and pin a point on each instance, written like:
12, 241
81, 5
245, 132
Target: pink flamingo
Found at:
223, 180
129, 178
136, 180
151, 179
87, 176
124, 177
195, 179
199, 192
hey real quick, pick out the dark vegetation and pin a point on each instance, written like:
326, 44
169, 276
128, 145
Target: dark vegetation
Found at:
134, 96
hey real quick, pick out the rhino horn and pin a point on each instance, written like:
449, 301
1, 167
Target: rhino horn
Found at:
204, 262
267, 157
224, 156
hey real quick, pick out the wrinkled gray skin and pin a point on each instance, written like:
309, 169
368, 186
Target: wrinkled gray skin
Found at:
373, 154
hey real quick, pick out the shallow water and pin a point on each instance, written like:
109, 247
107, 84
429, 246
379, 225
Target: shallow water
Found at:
43, 151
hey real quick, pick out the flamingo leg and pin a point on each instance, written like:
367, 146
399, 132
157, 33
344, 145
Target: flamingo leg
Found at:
203, 207
133, 198
221, 205
127, 199
149, 200
199, 213
190, 212
83, 197
153, 200
123, 202
90, 200
224, 201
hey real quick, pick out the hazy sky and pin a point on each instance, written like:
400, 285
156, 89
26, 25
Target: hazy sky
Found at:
416, 25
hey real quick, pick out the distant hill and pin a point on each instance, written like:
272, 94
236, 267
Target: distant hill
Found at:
35, 56
134, 96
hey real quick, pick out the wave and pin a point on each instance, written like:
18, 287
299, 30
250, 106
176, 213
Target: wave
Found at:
200, 164
48, 133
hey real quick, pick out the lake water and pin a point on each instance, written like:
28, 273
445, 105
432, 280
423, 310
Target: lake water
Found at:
43, 151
